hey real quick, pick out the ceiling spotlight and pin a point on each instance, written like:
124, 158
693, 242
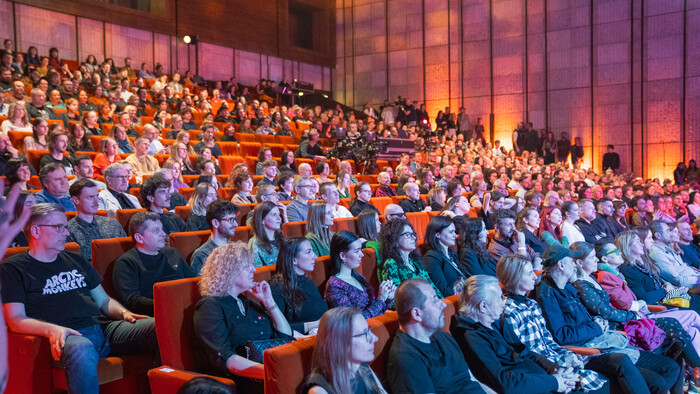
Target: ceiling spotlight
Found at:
189, 39
301, 93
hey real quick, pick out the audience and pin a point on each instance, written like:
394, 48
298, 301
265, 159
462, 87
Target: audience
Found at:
155, 194
203, 195
147, 263
441, 260
318, 228
267, 233
221, 218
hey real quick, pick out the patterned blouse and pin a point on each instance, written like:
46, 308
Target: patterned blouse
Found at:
398, 273
342, 293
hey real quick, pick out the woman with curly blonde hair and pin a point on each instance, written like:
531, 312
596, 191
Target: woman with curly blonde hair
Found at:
227, 273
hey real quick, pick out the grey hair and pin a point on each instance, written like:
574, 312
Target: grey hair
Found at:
38, 213
477, 289
112, 168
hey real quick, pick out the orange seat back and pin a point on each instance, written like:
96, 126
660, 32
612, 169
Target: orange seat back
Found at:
183, 212
69, 247
104, 253
380, 203
349, 224
243, 234
368, 267
419, 220
124, 216
321, 273
187, 242
294, 229
264, 273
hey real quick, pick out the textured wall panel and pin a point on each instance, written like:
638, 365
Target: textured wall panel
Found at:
7, 25
125, 42
90, 39
45, 29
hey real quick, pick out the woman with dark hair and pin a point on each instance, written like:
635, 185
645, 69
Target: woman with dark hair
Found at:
368, 227
243, 186
264, 154
39, 138
528, 222
32, 56
235, 309
344, 346
618, 215
679, 174
346, 287
398, 240
229, 133
78, 140
318, 227
18, 173
454, 188
457, 209
296, 294
441, 261
550, 227
267, 233
474, 257
287, 162
424, 179
569, 228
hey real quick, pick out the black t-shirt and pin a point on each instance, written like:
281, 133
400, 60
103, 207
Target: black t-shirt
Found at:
56, 292
435, 367
358, 384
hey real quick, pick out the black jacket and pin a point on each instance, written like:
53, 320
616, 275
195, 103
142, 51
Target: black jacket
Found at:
442, 271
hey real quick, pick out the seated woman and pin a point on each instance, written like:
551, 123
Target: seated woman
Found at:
550, 227
175, 167
72, 113
569, 229
18, 173
296, 294
118, 133
474, 257
323, 170
457, 208
619, 216
493, 361
179, 152
243, 186
78, 140
203, 195
245, 127
287, 164
267, 233
225, 318
58, 143
528, 222
368, 227
346, 287
523, 323
344, 346
343, 180
108, 154
17, 119
436, 199
264, 154
229, 132
39, 138
318, 228
398, 240
441, 261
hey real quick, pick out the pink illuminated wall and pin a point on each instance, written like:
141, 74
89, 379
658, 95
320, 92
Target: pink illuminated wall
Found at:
607, 71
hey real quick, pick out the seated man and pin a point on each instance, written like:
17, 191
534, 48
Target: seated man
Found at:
143, 163
641, 216
423, 358
268, 193
269, 172
691, 251
147, 263
588, 225
298, 210
363, 193
84, 170
54, 183
384, 189
285, 181
52, 293
329, 194
265, 128
221, 216
153, 135
672, 268
87, 225
393, 211
115, 197
176, 199
155, 193
413, 202
507, 240
311, 148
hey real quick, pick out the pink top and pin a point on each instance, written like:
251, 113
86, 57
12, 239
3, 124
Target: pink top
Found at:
621, 297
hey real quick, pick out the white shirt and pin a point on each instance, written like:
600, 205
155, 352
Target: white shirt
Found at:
571, 232
340, 211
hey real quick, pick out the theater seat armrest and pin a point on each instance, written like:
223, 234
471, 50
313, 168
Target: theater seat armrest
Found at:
583, 351
29, 359
656, 308
169, 380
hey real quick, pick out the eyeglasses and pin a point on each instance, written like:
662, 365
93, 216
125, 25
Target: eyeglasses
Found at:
616, 251
366, 333
58, 227
396, 215
120, 176
409, 236
366, 191
305, 186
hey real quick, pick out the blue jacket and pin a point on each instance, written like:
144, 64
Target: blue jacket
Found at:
67, 204
567, 318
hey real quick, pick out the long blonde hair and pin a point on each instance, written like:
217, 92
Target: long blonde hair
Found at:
179, 138
173, 155
197, 198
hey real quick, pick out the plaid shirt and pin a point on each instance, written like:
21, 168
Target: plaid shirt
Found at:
522, 322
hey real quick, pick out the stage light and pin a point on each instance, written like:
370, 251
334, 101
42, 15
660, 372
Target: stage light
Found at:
325, 96
301, 93
187, 39
190, 40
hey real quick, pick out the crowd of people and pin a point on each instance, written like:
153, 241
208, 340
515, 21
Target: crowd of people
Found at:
579, 256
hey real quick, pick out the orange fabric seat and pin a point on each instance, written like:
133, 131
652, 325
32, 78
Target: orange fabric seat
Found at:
294, 229
187, 242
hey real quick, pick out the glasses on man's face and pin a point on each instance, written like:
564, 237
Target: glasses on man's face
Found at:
396, 216
410, 235
367, 334
366, 191
59, 228
305, 186
232, 220
121, 177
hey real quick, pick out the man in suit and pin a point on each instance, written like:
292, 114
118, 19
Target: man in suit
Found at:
115, 196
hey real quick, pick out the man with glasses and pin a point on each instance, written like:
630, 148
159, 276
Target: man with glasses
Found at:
52, 293
298, 210
329, 193
363, 193
147, 263
54, 183
155, 193
221, 216
87, 226
423, 358
115, 197
393, 211
268, 193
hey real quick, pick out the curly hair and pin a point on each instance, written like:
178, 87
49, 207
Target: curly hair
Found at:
469, 238
389, 239
287, 276
222, 267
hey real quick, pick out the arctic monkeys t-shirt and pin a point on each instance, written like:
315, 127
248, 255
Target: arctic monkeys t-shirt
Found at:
57, 292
